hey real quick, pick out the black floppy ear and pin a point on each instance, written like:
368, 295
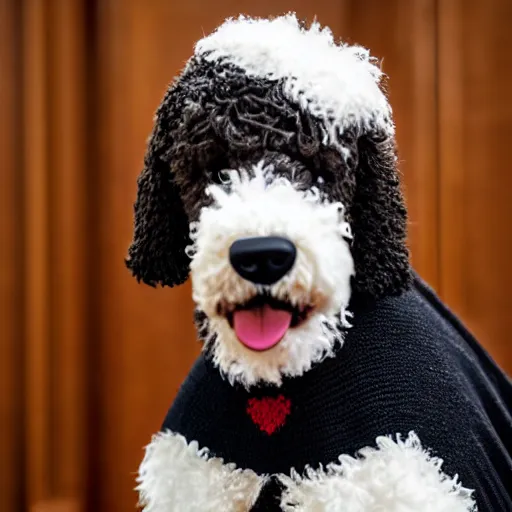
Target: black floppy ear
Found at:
161, 235
379, 220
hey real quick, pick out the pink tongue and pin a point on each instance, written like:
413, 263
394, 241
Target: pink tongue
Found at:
261, 328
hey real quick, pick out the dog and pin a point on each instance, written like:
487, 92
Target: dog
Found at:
331, 378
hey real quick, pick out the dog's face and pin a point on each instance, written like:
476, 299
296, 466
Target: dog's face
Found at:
259, 170
271, 269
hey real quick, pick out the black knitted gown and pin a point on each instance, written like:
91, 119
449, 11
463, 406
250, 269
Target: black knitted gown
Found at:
407, 364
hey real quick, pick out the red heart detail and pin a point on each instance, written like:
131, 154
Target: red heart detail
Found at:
269, 413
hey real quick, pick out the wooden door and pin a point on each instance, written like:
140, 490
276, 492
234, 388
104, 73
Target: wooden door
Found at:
43, 266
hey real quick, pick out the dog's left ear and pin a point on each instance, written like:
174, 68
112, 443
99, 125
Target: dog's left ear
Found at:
157, 253
379, 219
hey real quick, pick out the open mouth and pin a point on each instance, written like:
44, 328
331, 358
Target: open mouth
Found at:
262, 322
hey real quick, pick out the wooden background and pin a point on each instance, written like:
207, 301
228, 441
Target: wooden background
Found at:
89, 360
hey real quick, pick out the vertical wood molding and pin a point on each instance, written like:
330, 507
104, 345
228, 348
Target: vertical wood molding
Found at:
451, 155
11, 285
54, 140
37, 253
421, 168
67, 146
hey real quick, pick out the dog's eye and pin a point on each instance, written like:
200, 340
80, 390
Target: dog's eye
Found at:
219, 177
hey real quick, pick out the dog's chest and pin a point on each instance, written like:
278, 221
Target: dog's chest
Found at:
305, 422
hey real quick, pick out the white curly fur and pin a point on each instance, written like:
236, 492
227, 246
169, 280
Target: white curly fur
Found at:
176, 476
394, 477
258, 204
337, 83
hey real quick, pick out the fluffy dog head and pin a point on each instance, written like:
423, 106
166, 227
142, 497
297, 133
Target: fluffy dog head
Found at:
270, 175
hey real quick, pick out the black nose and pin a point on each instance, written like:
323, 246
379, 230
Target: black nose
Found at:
262, 259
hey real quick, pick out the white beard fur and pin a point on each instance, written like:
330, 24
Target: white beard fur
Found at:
259, 204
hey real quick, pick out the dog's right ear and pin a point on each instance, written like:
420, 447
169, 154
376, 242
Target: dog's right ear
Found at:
161, 232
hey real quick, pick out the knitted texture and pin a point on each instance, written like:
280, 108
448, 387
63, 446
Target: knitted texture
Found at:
407, 365
269, 413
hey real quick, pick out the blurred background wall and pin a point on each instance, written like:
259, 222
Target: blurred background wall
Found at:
89, 360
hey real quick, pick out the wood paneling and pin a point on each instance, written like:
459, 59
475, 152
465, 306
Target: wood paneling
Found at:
11, 391
54, 264
475, 135
69, 252
36, 256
